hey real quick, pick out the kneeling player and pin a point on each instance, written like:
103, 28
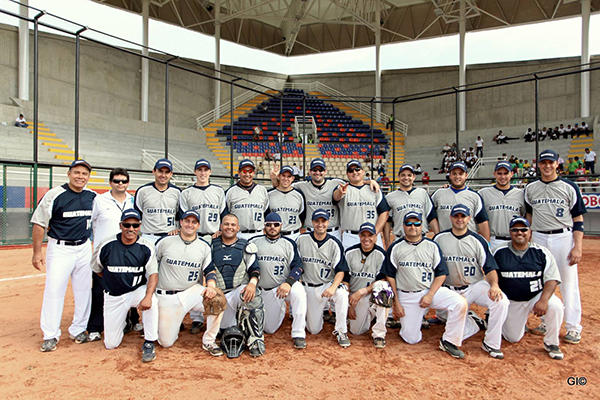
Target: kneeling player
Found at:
182, 259
129, 274
364, 261
280, 272
528, 274
416, 270
325, 269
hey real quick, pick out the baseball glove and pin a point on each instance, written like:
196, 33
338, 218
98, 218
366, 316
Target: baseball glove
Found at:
382, 294
216, 305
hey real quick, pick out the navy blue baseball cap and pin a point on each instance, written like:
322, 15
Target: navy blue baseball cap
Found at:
202, 163
460, 209
246, 163
273, 217
352, 163
518, 220
367, 227
190, 213
408, 167
412, 214
317, 162
458, 164
320, 213
286, 168
503, 164
163, 162
131, 213
81, 162
548, 155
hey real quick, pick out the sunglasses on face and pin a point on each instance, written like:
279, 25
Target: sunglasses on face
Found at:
317, 170
522, 230
128, 225
351, 170
122, 181
272, 224
414, 223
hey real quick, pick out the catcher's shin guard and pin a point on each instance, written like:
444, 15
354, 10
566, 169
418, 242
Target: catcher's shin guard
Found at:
251, 320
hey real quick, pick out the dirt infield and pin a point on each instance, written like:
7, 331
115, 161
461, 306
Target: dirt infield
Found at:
322, 371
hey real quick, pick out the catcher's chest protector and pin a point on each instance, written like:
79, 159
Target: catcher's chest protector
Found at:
230, 264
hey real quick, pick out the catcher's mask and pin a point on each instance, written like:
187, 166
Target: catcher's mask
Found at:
232, 342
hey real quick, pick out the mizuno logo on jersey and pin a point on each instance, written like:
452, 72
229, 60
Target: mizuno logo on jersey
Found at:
227, 257
521, 274
78, 213
122, 269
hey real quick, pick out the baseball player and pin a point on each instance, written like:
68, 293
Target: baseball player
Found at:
528, 274
288, 203
209, 202
158, 203
416, 270
248, 201
325, 270
129, 274
364, 262
182, 260
502, 202
472, 274
358, 204
65, 212
445, 198
280, 273
106, 215
555, 209
409, 198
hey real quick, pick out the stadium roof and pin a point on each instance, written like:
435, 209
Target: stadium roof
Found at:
295, 27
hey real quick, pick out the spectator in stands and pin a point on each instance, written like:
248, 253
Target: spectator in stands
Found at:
501, 138
418, 169
425, 178
390, 123
384, 182
295, 172
580, 171
589, 158
380, 168
381, 150
519, 167
569, 131
479, 147
562, 132
20, 122
542, 134
561, 164
553, 133
572, 165
446, 148
529, 135
277, 156
256, 134
260, 170
268, 155
454, 147
368, 158
526, 165
585, 128
577, 130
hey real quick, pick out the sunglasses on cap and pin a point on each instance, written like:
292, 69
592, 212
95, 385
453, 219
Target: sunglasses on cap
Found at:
120, 181
355, 169
128, 225
272, 224
413, 223
522, 230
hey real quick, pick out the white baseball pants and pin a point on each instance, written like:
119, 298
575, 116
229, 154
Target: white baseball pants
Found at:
234, 301
172, 308
275, 310
115, 315
64, 262
518, 311
365, 311
497, 243
315, 304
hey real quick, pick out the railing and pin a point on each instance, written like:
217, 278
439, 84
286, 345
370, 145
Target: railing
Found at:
149, 158
363, 108
215, 114
473, 172
300, 122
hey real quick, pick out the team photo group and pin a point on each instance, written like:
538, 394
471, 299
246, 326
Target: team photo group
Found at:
239, 261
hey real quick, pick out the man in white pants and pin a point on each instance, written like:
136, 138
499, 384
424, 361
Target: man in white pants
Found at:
416, 270
472, 274
280, 273
364, 261
65, 213
129, 272
325, 270
528, 274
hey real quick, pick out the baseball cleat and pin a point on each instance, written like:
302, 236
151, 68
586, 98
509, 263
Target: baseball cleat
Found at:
494, 353
94, 336
255, 351
391, 323
554, 351
213, 349
138, 327
342, 339
379, 342
148, 352
299, 342
329, 317
451, 349
572, 337
81, 338
425, 323
196, 327
436, 321
481, 323
540, 330
48, 345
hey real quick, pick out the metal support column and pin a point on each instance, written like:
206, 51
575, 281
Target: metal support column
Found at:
36, 101
24, 51
585, 58
537, 121
457, 118
167, 105
218, 59
145, 62
77, 71
394, 146
280, 135
372, 152
304, 140
462, 69
377, 56
231, 125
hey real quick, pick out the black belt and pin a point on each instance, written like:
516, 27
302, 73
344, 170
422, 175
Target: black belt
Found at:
71, 242
354, 232
162, 234
312, 284
205, 234
555, 231
410, 291
328, 229
456, 287
267, 289
249, 231
290, 232
160, 291
502, 237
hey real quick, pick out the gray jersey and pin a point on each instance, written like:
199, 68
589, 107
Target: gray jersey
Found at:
364, 268
208, 202
278, 261
289, 206
467, 257
249, 205
414, 266
320, 197
415, 199
501, 206
180, 263
446, 198
553, 205
158, 209
360, 205
321, 259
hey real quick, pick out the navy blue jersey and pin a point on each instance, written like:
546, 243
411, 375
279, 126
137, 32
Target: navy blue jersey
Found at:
66, 214
522, 274
124, 268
